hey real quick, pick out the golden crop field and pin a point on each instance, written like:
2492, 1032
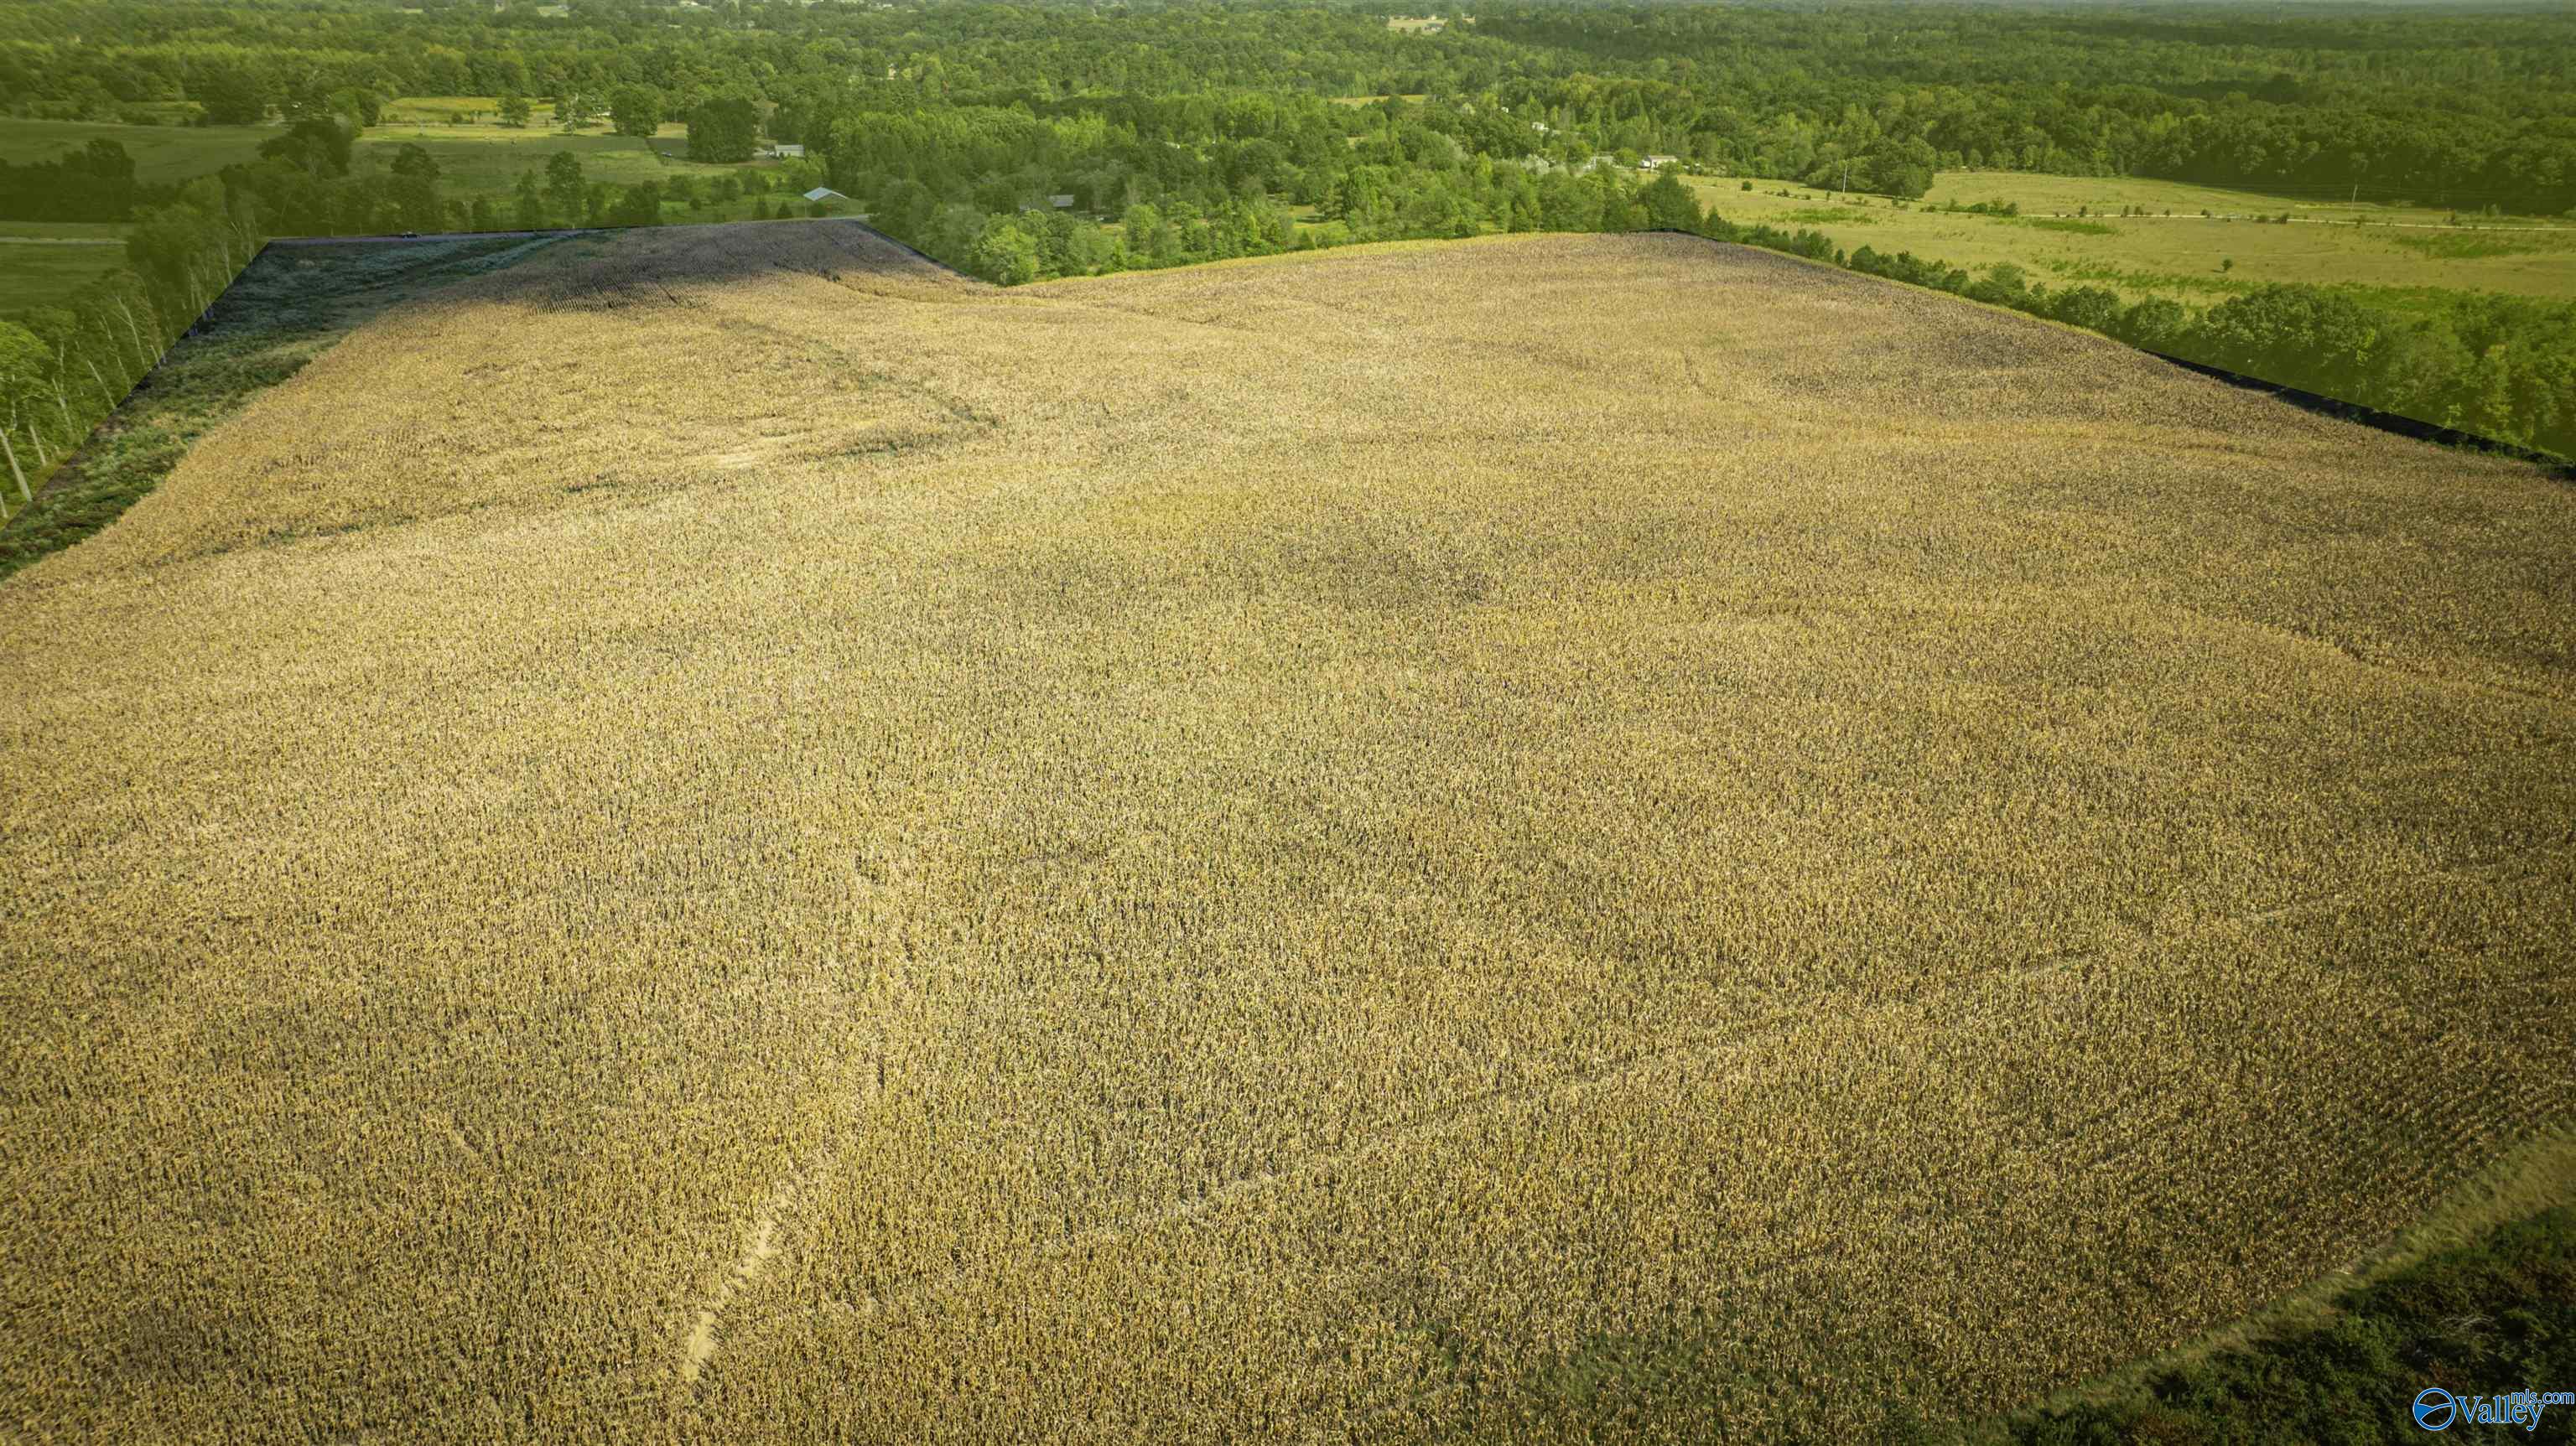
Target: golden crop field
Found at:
723, 836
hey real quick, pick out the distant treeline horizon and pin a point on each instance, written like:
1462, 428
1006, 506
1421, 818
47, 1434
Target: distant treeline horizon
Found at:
2443, 107
999, 139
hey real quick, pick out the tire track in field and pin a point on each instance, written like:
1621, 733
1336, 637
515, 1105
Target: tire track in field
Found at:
762, 1244
889, 889
757, 1251
2109, 1156
1578, 1083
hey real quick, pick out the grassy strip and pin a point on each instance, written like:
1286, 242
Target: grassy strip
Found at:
2479, 1299
2072, 228
289, 306
2488, 370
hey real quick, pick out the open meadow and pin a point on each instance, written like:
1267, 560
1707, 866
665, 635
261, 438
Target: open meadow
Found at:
162, 154
486, 159
41, 262
476, 158
721, 834
2398, 251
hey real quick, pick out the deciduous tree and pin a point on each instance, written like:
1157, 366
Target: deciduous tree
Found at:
564, 189
726, 128
635, 110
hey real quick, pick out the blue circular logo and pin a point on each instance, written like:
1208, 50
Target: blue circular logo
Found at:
2436, 1409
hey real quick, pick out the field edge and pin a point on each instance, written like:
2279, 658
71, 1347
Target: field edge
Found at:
2525, 1181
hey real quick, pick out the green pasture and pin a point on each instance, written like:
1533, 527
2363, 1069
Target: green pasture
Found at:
2099, 193
482, 157
108, 231
475, 157
161, 153
36, 271
2184, 255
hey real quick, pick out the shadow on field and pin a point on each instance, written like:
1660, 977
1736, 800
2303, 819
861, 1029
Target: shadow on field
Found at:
290, 305
300, 296
2403, 426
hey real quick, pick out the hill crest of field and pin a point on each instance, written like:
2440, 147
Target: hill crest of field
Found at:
727, 833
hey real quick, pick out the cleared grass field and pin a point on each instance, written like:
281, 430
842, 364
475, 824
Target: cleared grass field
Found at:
475, 159
486, 160
1542, 838
161, 153
41, 262
108, 232
459, 109
2403, 249
2100, 193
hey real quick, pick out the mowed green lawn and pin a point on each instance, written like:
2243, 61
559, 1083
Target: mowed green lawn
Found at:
2182, 256
444, 109
487, 160
483, 157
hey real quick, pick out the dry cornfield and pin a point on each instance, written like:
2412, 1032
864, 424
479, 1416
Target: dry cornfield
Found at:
724, 836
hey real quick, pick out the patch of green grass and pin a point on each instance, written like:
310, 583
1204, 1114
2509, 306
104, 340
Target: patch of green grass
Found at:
2174, 255
457, 109
2490, 1318
2475, 245
486, 161
2060, 223
110, 231
39, 273
1826, 215
2106, 195
161, 153
475, 158
2132, 279
2449, 1303
290, 306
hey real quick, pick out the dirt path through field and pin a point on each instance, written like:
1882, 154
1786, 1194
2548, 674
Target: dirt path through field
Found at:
888, 886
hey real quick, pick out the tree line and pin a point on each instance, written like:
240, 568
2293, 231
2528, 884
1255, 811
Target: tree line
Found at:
2448, 109
92, 183
2451, 109
2495, 366
65, 366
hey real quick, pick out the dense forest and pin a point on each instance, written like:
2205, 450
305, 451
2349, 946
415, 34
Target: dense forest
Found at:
1028, 142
